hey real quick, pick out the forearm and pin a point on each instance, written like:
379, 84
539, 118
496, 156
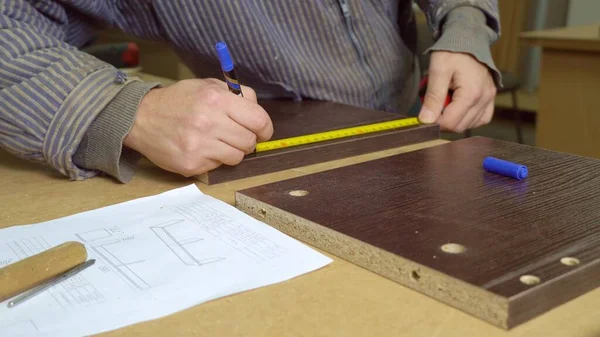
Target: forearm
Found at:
465, 30
50, 92
467, 26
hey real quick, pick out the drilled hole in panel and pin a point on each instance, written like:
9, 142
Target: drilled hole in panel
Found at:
414, 275
569, 261
530, 280
298, 193
453, 248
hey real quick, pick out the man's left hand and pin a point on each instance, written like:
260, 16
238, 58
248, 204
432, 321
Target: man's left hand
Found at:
474, 92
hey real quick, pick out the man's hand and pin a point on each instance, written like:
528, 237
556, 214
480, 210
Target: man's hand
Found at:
474, 92
197, 125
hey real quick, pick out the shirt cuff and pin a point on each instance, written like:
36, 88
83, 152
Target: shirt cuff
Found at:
465, 30
102, 147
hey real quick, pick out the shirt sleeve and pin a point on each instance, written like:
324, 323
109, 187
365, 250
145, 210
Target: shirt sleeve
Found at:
437, 11
50, 92
101, 147
468, 26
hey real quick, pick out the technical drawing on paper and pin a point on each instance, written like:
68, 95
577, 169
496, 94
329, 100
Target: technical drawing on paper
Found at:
220, 226
19, 328
71, 293
117, 253
177, 234
98, 234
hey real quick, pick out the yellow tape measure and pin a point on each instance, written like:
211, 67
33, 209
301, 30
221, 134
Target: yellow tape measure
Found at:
335, 134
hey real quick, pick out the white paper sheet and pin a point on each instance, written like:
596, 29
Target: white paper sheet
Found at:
155, 256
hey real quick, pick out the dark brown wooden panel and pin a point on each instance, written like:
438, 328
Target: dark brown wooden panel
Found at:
292, 119
394, 215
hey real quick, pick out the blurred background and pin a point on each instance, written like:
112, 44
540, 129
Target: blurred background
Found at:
549, 53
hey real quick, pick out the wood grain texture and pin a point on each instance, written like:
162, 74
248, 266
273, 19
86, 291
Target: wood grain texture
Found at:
292, 119
393, 215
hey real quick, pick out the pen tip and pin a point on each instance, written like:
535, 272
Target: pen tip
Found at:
11, 304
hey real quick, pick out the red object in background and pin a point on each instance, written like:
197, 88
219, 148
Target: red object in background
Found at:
131, 55
423, 90
120, 54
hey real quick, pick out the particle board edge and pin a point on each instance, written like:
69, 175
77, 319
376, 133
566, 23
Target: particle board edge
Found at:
458, 294
551, 294
203, 178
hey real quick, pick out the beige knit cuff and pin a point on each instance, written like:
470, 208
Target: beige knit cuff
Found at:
102, 146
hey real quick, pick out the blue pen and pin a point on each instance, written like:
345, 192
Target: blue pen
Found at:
228, 69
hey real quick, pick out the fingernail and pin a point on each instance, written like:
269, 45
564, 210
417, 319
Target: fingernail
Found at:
427, 116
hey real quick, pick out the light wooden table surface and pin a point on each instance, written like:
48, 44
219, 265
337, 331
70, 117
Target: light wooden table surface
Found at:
338, 300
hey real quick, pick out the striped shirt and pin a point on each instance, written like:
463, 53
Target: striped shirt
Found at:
358, 52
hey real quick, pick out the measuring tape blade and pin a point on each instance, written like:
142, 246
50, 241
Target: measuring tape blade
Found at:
335, 134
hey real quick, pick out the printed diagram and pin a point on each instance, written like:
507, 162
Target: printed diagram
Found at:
27, 247
219, 226
178, 235
131, 257
118, 254
98, 234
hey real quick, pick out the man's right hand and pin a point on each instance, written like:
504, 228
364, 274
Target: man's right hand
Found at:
197, 125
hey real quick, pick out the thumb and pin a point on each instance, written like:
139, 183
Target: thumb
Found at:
435, 96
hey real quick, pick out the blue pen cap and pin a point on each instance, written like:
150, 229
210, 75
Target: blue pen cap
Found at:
224, 56
505, 168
